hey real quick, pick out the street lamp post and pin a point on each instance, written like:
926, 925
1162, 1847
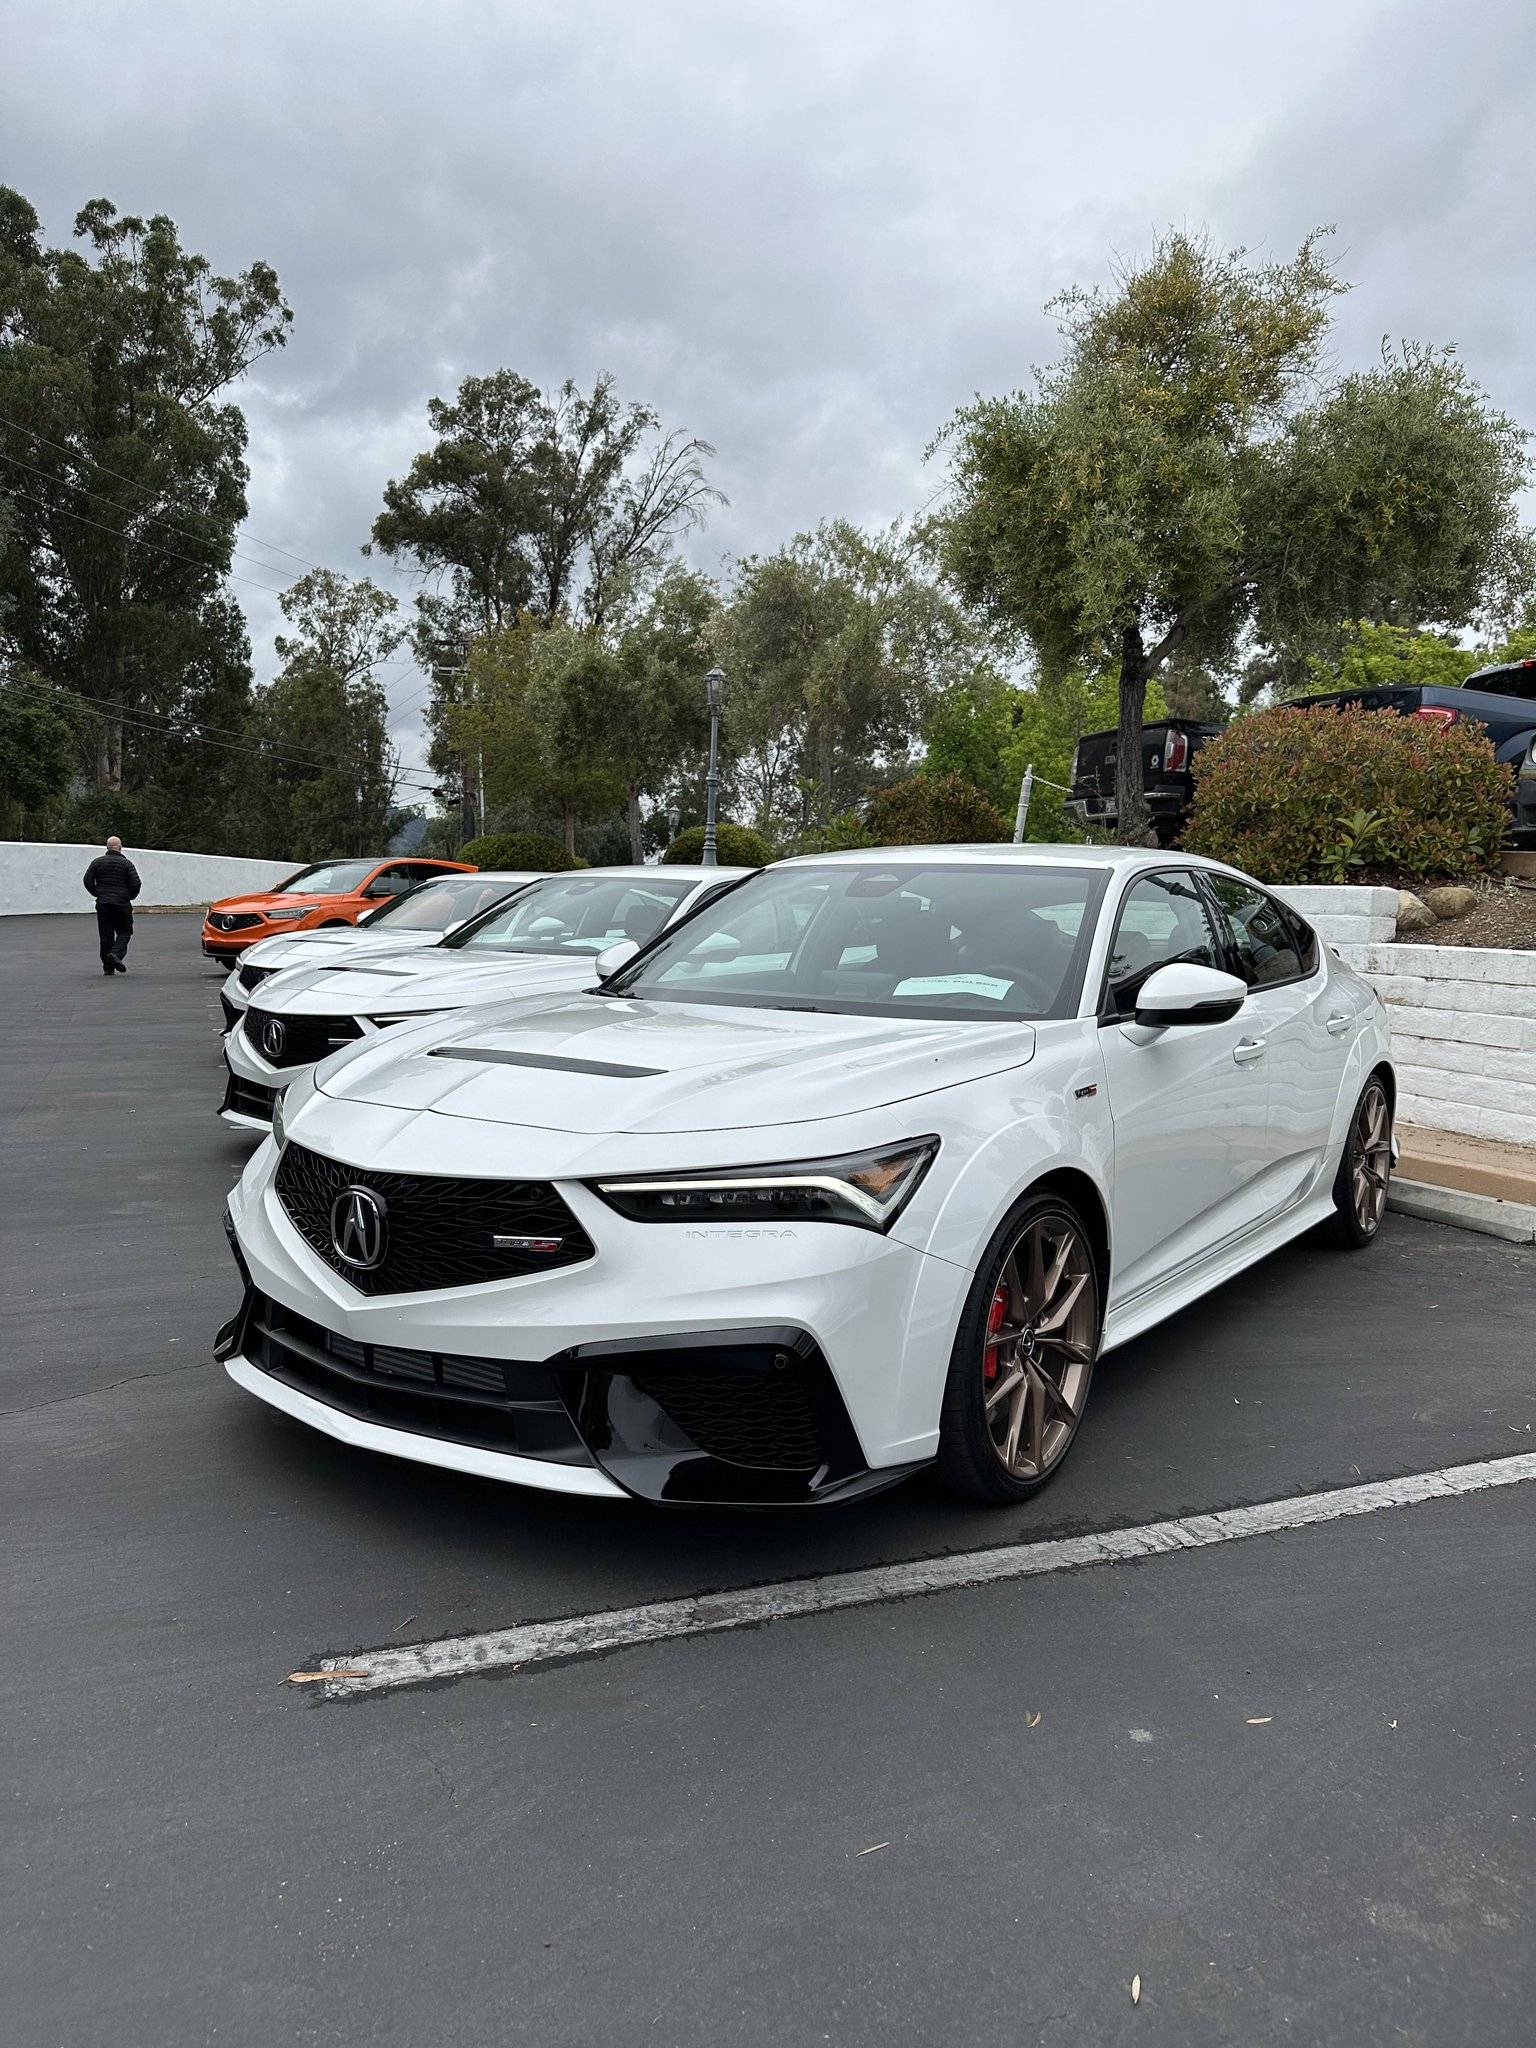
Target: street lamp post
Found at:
674, 819
714, 693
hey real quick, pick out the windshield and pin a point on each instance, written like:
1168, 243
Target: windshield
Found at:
436, 905
895, 939
577, 914
329, 878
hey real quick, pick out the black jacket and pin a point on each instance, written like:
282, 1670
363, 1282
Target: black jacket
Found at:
112, 878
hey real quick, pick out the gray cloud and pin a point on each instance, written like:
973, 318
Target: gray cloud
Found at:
804, 231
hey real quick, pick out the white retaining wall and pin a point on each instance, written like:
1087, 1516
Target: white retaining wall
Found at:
38, 877
1463, 1035
1347, 915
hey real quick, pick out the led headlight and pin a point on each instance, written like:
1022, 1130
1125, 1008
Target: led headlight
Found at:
301, 910
866, 1189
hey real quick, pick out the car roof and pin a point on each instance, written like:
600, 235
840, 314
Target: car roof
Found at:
1037, 853
649, 873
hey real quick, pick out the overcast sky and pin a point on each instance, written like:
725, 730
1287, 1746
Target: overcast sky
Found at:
806, 231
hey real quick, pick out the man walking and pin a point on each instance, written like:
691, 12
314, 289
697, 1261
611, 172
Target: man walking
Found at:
113, 880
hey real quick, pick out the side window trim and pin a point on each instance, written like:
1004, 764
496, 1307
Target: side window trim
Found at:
1216, 928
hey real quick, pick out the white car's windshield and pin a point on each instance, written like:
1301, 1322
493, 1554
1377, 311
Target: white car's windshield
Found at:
436, 905
330, 878
895, 938
577, 914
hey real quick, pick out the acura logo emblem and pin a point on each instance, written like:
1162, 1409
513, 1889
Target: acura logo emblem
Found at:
274, 1036
358, 1229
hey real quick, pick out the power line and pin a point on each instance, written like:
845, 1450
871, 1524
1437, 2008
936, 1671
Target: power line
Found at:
168, 731
156, 547
76, 455
129, 512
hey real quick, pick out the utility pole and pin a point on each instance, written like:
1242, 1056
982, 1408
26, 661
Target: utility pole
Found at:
714, 696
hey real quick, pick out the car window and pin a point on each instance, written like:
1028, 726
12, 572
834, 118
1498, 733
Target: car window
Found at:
439, 903
1162, 921
328, 878
576, 914
967, 940
1262, 938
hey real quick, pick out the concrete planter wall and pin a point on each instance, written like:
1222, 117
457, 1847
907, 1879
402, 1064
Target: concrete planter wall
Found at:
1348, 915
1463, 1035
36, 877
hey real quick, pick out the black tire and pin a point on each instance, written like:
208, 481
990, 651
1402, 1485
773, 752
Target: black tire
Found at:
970, 1460
1364, 1163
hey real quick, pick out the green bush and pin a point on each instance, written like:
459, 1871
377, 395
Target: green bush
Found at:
517, 850
736, 846
933, 810
1331, 796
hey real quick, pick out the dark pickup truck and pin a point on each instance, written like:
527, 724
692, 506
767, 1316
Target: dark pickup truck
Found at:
1167, 755
1501, 700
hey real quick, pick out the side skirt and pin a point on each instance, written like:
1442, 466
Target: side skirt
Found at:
1144, 1311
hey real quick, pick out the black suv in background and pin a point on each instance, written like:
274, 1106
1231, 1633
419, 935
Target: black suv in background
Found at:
1502, 700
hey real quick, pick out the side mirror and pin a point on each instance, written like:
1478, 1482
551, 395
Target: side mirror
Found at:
375, 891
1185, 994
457, 926
615, 957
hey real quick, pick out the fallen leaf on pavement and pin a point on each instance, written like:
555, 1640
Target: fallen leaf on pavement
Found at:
873, 1847
314, 1677
1136, 1990
1258, 1720
1034, 1720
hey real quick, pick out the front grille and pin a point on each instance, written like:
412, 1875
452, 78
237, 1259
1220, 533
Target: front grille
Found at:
251, 976
232, 920
438, 1232
304, 1039
496, 1404
248, 1098
764, 1419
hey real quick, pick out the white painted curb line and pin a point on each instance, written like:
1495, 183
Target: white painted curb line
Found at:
591, 1635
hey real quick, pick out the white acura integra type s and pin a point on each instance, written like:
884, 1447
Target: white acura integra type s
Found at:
417, 917
548, 936
859, 1168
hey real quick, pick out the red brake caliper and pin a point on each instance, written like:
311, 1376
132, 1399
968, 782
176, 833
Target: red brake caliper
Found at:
995, 1315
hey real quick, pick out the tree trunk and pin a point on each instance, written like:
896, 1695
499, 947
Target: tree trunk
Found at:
568, 818
636, 842
1130, 794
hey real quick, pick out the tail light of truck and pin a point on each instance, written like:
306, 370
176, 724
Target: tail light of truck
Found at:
1176, 753
1436, 715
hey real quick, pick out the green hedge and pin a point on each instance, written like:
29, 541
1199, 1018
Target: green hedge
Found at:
518, 850
1339, 796
933, 810
736, 846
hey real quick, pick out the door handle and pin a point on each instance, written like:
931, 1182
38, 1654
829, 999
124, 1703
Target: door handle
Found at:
1338, 1024
1247, 1050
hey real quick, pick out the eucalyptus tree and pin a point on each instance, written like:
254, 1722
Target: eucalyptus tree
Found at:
124, 464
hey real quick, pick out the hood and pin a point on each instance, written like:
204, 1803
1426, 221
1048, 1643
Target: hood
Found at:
259, 904
296, 949
598, 1064
427, 980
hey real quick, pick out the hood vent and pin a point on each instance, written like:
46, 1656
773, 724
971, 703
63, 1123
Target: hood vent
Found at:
489, 1056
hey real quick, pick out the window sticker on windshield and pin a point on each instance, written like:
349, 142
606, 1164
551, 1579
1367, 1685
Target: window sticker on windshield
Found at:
954, 984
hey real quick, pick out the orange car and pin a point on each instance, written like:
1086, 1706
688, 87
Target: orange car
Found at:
331, 892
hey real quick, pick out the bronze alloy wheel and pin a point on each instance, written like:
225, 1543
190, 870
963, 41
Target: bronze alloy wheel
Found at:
1370, 1154
1365, 1169
1023, 1355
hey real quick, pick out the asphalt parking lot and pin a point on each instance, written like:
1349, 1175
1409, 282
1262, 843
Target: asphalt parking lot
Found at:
1285, 1782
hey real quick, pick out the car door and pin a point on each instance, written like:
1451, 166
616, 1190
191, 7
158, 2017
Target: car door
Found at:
1190, 1108
1306, 1025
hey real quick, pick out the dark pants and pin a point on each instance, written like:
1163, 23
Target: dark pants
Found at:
114, 923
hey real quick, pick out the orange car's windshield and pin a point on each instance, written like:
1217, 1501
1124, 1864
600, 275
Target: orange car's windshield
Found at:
329, 878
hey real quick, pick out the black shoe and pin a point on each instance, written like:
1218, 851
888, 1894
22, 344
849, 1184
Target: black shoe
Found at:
121, 966
109, 972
